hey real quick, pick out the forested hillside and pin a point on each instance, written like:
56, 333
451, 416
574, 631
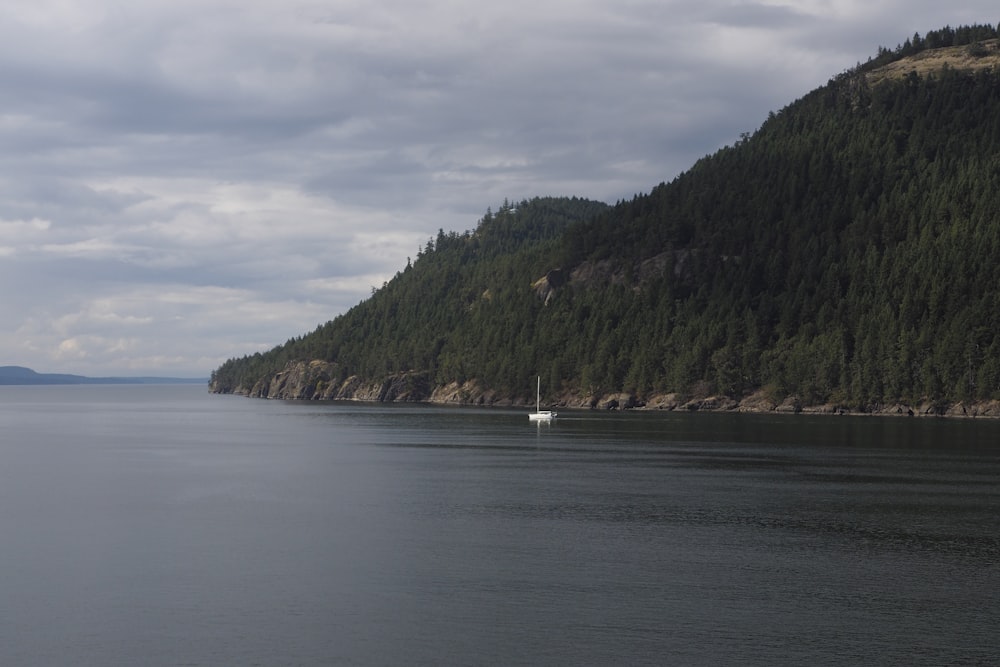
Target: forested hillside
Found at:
846, 253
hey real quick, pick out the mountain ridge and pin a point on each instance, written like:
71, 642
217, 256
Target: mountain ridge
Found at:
841, 258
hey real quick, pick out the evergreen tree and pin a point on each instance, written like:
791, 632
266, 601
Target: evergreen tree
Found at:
844, 252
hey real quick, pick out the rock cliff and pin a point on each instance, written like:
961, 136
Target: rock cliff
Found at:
317, 380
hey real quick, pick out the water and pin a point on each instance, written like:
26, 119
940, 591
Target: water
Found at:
165, 526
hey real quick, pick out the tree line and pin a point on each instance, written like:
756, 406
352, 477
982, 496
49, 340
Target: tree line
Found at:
844, 252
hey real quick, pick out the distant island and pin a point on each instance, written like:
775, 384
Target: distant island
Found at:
19, 375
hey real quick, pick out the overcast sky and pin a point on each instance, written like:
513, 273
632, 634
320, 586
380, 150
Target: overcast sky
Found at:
186, 181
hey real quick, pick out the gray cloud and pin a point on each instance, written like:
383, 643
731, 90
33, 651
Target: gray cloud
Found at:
184, 181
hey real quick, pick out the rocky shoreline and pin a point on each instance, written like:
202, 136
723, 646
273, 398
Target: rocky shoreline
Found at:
313, 380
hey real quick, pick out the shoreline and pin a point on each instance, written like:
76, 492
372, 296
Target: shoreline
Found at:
710, 404
314, 380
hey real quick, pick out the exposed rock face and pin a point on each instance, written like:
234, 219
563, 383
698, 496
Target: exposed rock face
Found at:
299, 380
467, 393
546, 286
400, 388
824, 409
619, 401
712, 403
314, 380
603, 272
318, 380
758, 401
600, 272
663, 402
790, 404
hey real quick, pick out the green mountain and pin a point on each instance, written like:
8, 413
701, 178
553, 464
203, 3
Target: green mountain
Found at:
844, 254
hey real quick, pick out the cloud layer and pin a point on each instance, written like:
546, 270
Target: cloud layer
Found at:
182, 182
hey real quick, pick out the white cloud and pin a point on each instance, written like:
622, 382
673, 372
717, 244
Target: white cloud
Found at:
69, 349
185, 181
23, 229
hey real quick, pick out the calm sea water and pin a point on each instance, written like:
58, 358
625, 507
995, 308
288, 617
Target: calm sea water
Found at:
161, 525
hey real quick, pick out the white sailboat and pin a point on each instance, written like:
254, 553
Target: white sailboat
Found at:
540, 415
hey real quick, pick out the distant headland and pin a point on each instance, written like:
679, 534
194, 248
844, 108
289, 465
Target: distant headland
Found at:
19, 375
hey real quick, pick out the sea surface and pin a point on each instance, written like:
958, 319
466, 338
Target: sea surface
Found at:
162, 525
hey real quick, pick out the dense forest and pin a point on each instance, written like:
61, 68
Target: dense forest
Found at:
844, 253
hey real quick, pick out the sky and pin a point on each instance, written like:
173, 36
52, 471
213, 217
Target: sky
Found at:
182, 182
